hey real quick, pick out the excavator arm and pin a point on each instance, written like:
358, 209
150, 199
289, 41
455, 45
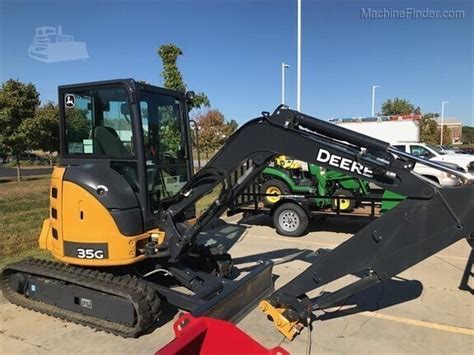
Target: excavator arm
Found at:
431, 217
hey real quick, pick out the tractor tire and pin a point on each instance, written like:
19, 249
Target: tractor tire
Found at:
345, 205
290, 220
273, 186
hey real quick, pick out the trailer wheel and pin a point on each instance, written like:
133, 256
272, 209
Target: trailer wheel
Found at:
274, 187
290, 220
345, 204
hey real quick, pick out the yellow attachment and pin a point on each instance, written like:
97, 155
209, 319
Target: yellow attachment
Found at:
285, 163
287, 328
273, 190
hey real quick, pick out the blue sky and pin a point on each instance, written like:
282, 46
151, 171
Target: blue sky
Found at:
233, 51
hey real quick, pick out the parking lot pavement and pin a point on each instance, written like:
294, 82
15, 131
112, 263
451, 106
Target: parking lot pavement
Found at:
423, 311
8, 172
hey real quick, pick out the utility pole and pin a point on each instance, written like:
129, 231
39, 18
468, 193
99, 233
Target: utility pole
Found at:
283, 67
298, 69
373, 98
442, 121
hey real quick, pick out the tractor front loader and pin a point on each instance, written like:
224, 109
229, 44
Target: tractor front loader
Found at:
123, 200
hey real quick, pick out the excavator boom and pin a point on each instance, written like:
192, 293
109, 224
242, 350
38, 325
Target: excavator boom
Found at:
431, 218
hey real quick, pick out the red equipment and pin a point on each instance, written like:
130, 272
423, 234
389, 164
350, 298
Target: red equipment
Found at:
208, 336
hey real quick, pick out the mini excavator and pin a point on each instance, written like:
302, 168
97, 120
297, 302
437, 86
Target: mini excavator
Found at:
123, 226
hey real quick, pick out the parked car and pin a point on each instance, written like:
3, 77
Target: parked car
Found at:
455, 161
446, 149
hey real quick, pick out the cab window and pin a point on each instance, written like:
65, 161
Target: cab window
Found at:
97, 123
400, 147
164, 137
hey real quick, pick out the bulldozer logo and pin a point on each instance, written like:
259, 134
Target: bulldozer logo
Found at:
325, 156
50, 45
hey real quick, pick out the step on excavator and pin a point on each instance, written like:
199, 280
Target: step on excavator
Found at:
124, 232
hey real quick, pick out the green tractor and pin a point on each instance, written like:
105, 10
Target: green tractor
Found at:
325, 189
287, 177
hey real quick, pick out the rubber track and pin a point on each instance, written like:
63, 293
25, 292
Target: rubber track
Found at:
146, 301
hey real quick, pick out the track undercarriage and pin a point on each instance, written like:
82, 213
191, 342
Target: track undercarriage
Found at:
130, 305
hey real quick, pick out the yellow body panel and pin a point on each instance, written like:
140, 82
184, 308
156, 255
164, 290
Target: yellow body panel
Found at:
81, 218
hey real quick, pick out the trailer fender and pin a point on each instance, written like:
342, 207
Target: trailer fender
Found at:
297, 201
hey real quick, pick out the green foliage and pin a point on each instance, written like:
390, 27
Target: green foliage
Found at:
213, 130
18, 102
172, 77
170, 132
429, 128
397, 107
429, 131
42, 130
77, 125
468, 134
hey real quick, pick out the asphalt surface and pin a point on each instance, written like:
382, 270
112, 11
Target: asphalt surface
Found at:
422, 311
7, 172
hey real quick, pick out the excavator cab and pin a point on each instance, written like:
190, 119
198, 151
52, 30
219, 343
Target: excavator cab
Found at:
125, 157
125, 151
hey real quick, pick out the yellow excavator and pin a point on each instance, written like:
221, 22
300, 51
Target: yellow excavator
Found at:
123, 229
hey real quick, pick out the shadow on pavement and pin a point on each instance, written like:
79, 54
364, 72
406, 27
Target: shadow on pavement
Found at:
385, 294
382, 295
338, 224
469, 269
221, 234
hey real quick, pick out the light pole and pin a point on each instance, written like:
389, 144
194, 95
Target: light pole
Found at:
373, 98
442, 121
298, 50
283, 67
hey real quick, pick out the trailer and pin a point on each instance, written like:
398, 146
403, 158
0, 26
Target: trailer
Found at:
292, 214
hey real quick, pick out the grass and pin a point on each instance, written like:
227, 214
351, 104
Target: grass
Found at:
23, 207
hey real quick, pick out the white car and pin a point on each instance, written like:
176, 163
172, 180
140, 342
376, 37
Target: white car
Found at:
426, 151
455, 161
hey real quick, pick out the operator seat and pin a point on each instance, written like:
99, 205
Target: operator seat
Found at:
107, 142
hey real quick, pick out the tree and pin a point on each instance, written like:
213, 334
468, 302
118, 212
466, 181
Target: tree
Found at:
18, 102
213, 130
429, 128
397, 107
429, 131
446, 136
78, 125
42, 130
172, 77
468, 134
